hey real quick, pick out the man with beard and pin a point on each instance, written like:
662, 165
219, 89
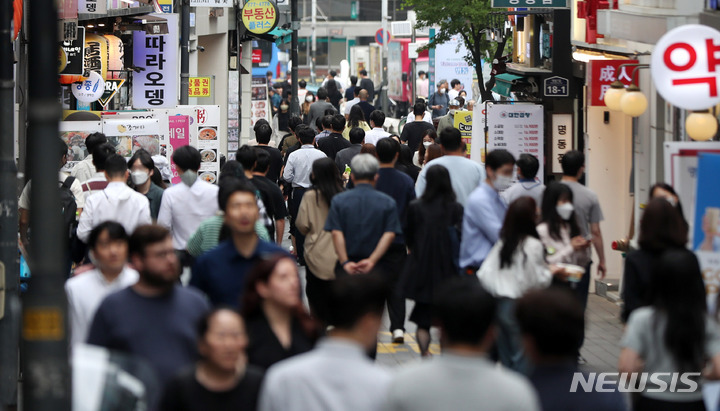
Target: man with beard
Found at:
156, 318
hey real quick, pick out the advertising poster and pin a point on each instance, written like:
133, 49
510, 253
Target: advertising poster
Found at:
156, 85
74, 134
450, 64
179, 136
130, 135
706, 238
206, 138
517, 128
259, 101
463, 122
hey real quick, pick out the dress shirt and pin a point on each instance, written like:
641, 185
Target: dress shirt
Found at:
527, 271
465, 176
483, 219
85, 292
299, 165
350, 104
322, 134
452, 93
117, 202
84, 170
374, 135
336, 375
183, 208
332, 144
363, 214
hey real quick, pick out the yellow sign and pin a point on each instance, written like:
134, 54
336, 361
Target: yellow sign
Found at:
463, 122
43, 323
199, 87
259, 16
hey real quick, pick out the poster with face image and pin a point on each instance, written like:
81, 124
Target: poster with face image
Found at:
74, 133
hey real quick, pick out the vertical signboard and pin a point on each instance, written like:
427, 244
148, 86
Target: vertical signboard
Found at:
562, 139
156, 86
517, 128
463, 121
706, 237
602, 73
179, 136
259, 106
208, 141
450, 64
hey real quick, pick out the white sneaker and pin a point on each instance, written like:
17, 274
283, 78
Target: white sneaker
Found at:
398, 336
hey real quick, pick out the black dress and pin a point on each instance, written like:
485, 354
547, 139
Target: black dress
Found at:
432, 232
265, 349
185, 393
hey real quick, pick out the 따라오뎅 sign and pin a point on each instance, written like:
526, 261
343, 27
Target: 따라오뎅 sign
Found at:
156, 86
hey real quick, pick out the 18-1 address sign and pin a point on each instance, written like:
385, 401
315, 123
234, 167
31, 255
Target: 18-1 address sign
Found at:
557, 87
528, 3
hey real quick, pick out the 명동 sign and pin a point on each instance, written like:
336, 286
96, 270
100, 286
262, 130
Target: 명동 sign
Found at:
602, 73
259, 16
562, 139
684, 66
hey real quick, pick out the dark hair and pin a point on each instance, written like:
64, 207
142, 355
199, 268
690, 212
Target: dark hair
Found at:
572, 162
438, 185
302, 83
529, 165
554, 319
260, 122
322, 93
662, 227
319, 123
667, 187
353, 80
327, 122
305, 134
368, 149
247, 156
454, 82
460, 100
101, 154
331, 87
338, 123
326, 179
94, 140
451, 139
498, 158
405, 157
115, 231
434, 151
333, 73
116, 166
262, 164
203, 325
357, 135
518, 225
363, 72
293, 122
144, 157
187, 158
146, 235
680, 298
62, 149
464, 310
378, 118
354, 296
263, 134
419, 109
156, 178
232, 168
230, 186
386, 149
356, 116
421, 148
555, 192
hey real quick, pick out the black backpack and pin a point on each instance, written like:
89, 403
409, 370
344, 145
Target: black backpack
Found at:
69, 206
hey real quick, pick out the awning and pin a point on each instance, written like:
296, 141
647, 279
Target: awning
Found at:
504, 82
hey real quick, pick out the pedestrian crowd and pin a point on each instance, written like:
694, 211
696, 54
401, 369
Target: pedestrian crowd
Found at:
193, 279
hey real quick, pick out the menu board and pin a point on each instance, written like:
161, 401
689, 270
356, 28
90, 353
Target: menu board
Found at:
260, 105
204, 135
517, 128
74, 134
130, 135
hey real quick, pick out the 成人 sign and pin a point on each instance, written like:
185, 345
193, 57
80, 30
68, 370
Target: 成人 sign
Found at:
685, 66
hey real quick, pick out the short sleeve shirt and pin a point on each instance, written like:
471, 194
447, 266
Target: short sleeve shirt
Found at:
587, 206
75, 187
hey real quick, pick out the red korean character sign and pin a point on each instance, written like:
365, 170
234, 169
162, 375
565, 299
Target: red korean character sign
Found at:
602, 73
685, 67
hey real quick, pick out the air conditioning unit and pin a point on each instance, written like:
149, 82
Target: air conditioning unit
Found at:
401, 29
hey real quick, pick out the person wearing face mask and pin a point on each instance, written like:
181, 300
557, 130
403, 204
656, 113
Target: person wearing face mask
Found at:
485, 211
448, 120
142, 167
438, 102
282, 116
429, 138
413, 132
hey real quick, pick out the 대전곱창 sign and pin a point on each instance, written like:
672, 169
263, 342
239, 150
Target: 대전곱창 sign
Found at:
259, 16
528, 3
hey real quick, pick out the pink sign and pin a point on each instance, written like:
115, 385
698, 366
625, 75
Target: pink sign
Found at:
179, 136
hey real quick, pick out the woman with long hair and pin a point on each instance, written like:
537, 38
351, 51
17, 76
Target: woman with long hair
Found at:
355, 119
428, 139
305, 107
319, 249
222, 380
666, 191
277, 324
282, 116
432, 231
334, 94
661, 228
432, 152
673, 335
404, 162
514, 266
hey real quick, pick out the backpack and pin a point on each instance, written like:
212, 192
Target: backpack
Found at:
68, 206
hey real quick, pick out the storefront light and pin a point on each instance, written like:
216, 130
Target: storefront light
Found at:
701, 125
614, 95
633, 102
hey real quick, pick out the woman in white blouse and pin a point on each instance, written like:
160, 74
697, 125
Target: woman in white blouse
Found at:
514, 266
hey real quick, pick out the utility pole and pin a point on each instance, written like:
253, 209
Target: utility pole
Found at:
185, 52
294, 26
313, 38
9, 273
385, 37
46, 370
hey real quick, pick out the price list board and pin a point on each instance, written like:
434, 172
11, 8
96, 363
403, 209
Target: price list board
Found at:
517, 128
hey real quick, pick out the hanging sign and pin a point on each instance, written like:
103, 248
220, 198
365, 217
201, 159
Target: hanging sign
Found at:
199, 87
259, 16
74, 54
89, 90
111, 88
92, 6
156, 86
602, 73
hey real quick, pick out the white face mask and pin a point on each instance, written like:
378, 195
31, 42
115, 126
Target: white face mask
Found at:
502, 183
565, 210
441, 91
284, 107
427, 143
309, 99
139, 177
452, 111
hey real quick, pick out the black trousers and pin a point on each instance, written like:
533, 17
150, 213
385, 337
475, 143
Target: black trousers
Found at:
390, 266
293, 208
318, 294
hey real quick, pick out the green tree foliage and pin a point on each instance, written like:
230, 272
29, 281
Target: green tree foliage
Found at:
468, 18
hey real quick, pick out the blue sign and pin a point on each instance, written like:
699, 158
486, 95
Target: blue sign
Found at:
557, 87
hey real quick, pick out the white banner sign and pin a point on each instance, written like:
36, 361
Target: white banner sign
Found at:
211, 3
450, 64
562, 139
157, 85
517, 128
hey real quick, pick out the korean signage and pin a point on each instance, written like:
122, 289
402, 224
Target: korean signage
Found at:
130, 135
528, 3
96, 55
517, 128
90, 89
156, 86
166, 6
92, 6
111, 88
450, 64
463, 121
179, 127
562, 139
211, 3
684, 66
206, 121
259, 16
75, 54
199, 87
602, 73
74, 134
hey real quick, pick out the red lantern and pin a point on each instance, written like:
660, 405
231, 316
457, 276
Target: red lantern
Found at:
17, 17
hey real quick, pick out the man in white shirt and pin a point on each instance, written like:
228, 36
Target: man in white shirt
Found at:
117, 202
422, 84
337, 374
349, 105
187, 204
98, 182
455, 87
108, 244
85, 169
377, 119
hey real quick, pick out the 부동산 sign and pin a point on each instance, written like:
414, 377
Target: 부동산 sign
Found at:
259, 16
529, 3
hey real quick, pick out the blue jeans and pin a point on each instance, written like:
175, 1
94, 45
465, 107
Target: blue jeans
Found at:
509, 339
